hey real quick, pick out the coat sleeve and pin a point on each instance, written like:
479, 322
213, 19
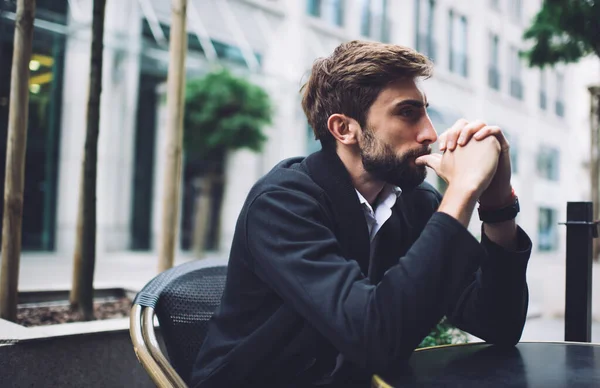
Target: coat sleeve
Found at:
292, 248
494, 305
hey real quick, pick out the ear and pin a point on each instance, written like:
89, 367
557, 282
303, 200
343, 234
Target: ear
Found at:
343, 129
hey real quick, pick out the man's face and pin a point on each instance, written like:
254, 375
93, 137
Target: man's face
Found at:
398, 131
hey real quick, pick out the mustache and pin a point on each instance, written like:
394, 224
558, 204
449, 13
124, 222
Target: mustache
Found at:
400, 164
417, 152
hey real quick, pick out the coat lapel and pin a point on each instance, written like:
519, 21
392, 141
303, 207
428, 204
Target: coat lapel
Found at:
388, 248
328, 171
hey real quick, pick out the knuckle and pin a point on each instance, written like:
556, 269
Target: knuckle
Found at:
479, 124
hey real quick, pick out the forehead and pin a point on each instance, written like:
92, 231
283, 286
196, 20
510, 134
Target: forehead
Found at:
405, 89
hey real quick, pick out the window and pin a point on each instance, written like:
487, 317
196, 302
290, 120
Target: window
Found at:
329, 10
547, 230
424, 34
548, 163
493, 71
374, 23
458, 43
514, 151
560, 89
224, 51
543, 92
46, 87
516, 10
516, 84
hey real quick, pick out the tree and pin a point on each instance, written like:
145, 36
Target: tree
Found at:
565, 31
84, 258
223, 113
15, 159
175, 109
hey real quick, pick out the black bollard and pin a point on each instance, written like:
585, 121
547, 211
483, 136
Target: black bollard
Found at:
581, 230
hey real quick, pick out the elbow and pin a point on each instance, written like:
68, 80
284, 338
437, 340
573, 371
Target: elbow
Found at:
508, 327
507, 338
380, 353
509, 333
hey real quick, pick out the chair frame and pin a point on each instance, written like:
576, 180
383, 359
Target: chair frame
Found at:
147, 349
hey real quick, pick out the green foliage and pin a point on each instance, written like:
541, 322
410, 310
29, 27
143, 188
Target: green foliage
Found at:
564, 31
224, 112
444, 334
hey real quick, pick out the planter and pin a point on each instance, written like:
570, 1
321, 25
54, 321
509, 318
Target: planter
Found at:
51, 307
88, 354
82, 354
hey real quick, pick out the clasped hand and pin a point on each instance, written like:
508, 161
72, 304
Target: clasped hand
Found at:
476, 158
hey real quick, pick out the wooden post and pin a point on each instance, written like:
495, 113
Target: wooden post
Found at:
84, 257
175, 110
15, 159
595, 157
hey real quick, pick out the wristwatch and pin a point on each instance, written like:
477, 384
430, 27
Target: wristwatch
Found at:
492, 216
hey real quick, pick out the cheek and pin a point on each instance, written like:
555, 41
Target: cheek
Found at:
400, 137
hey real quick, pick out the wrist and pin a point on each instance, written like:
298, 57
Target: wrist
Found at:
497, 215
498, 200
467, 193
459, 203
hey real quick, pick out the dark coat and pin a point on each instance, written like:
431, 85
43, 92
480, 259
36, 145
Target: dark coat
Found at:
299, 291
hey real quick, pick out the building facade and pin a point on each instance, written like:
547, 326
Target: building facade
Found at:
478, 75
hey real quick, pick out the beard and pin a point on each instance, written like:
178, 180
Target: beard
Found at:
380, 160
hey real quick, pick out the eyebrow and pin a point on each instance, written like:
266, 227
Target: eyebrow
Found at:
415, 103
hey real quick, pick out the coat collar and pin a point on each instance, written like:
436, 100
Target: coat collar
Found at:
327, 170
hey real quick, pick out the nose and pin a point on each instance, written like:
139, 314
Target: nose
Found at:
427, 134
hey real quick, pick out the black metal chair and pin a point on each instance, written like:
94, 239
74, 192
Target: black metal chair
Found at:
183, 298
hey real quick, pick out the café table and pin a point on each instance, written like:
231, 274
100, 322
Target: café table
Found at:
528, 364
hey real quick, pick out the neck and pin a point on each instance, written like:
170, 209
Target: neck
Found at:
366, 185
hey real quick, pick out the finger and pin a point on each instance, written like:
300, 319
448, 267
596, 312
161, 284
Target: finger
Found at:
442, 141
453, 132
467, 132
492, 130
433, 161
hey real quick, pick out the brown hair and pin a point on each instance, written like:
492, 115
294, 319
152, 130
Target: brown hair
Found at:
350, 79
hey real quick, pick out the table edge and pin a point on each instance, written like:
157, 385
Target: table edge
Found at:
521, 342
378, 382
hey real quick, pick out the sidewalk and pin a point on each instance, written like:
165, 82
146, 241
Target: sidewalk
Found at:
129, 270
552, 329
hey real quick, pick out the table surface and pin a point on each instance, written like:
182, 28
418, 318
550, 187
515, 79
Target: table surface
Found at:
529, 364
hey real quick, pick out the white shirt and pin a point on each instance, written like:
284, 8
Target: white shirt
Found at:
376, 218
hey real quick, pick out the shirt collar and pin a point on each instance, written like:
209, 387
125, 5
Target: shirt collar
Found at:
387, 193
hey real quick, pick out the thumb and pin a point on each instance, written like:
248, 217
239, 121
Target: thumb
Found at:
434, 161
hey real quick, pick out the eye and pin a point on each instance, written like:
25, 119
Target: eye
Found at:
408, 112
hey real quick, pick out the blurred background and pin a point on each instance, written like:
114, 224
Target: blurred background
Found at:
479, 74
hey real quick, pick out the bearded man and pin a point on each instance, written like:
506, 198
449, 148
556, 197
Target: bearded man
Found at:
343, 261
